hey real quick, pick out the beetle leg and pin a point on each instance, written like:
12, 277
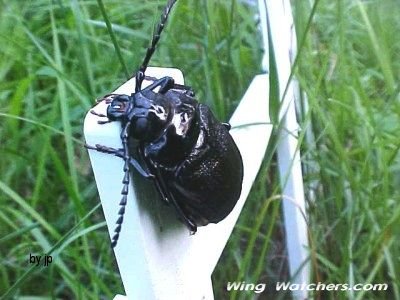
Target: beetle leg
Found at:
120, 153
146, 174
97, 114
103, 149
166, 83
171, 199
103, 122
101, 116
185, 88
107, 98
167, 196
175, 86
161, 191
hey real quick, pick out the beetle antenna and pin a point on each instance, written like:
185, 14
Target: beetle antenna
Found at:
150, 50
125, 187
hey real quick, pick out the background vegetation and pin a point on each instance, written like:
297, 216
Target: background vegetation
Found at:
57, 57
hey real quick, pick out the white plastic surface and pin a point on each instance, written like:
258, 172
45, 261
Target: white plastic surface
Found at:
284, 43
156, 255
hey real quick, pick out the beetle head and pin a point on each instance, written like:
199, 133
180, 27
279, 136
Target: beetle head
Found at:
119, 108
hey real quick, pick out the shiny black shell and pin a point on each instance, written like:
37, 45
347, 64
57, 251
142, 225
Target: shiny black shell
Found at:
198, 161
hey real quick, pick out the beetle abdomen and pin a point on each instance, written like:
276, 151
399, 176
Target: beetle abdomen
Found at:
208, 183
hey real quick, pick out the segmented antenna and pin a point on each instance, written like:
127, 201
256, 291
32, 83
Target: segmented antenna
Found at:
125, 186
124, 134
150, 50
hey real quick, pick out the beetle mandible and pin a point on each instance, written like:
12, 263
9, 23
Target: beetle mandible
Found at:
190, 155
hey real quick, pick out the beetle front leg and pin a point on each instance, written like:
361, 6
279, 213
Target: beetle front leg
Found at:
120, 153
107, 98
101, 122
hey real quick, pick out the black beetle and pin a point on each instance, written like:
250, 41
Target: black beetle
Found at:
171, 138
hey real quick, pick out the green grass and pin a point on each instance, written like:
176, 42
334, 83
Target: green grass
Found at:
57, 57
349, 72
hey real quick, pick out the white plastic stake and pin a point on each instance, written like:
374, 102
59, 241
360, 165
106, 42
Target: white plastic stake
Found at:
283, 38
156, 255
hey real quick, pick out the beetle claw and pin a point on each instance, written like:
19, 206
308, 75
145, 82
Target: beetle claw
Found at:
192, 227
97, 114
103, 122
107, 98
